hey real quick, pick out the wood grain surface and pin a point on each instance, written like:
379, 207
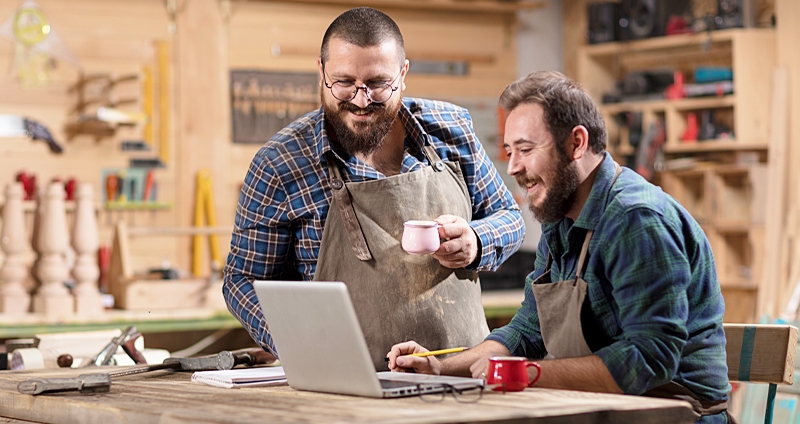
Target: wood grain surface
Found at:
168, 397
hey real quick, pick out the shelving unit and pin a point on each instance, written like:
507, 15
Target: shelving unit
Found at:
749, 52
724, 186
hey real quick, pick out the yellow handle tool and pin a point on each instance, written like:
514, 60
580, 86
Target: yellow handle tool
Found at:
204, 211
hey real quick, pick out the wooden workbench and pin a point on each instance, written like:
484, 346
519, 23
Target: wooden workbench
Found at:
498, 303
168, 397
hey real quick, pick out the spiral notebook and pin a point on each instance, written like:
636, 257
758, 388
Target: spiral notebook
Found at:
242, 377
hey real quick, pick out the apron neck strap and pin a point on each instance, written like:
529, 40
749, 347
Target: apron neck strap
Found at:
433, 158
348, 213
333, 167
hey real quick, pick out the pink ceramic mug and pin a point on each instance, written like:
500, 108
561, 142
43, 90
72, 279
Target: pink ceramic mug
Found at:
510, 373
420, 237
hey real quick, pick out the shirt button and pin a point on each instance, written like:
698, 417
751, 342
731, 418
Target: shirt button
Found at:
439, 166
337, 184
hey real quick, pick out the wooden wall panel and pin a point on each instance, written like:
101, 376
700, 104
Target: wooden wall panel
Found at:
113, 36
296, 32
118, 36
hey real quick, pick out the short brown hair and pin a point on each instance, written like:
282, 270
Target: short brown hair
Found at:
364, 27
566, 105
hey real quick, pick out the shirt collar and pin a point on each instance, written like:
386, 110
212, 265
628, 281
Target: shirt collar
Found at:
596, 202
414, 132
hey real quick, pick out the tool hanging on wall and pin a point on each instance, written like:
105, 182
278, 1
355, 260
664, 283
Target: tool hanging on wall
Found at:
15, 126
36, 45
163, 73
204, 215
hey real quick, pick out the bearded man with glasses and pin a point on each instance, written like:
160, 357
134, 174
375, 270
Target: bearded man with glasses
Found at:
326, 199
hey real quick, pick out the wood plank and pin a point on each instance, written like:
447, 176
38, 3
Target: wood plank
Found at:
761, 353
788, 55
770, 286
475, 6
202, 122
164, 396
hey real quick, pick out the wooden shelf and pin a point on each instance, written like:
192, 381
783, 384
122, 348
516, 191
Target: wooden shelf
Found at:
145, 321
732, 226
699, 103
129, 206
737, 285
469, 6
496, 304
686, 104
680, 41
714, 146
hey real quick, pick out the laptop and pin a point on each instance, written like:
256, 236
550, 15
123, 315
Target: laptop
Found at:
322, 348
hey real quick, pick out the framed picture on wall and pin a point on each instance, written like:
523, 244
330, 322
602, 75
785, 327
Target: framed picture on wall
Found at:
263, 102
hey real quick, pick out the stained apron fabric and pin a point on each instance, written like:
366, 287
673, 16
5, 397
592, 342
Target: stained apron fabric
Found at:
559, 306
398, 296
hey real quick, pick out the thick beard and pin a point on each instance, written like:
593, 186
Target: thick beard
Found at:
368, 136
558, 199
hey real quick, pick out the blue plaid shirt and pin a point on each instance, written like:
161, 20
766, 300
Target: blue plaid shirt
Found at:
656, 305
285, 199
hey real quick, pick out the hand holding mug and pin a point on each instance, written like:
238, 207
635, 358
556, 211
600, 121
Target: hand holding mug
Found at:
461, 245
510, 373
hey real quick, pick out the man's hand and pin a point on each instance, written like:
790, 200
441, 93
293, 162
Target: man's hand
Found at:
461, 243
481, 364
422, 365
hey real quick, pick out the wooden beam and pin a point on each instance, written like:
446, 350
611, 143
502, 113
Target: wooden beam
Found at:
769, 286
289, 50
203, 111
473, 6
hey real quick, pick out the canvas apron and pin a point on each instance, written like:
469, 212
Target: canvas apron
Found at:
398, 296
559, 307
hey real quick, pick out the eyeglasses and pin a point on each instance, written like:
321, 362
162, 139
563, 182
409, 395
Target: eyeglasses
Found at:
376, 92
437, 392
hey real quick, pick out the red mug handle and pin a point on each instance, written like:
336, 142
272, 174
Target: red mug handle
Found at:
538, 372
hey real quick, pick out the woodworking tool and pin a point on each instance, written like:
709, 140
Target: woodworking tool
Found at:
101, 382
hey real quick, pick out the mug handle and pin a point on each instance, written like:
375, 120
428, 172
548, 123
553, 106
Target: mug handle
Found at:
538, 372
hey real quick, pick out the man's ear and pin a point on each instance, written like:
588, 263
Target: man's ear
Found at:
403, 76
577, 142
319, 67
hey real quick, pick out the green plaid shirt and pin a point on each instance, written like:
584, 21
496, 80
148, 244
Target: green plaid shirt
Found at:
656, 306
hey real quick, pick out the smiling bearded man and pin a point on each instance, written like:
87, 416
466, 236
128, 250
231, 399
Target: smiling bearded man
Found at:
326, 198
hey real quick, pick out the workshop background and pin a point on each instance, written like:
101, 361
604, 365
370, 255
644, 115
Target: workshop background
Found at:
159, 105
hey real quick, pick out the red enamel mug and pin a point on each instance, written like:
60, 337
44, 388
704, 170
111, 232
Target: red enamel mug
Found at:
510, 373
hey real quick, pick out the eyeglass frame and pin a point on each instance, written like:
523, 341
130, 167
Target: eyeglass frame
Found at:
363, 87
448, 388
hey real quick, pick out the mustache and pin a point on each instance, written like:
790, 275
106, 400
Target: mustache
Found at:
372, 107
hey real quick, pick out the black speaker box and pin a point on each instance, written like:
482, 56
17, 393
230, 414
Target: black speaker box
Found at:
603, 22
648, 18
735, 14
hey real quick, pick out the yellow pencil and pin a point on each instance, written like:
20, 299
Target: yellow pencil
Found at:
440, 352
